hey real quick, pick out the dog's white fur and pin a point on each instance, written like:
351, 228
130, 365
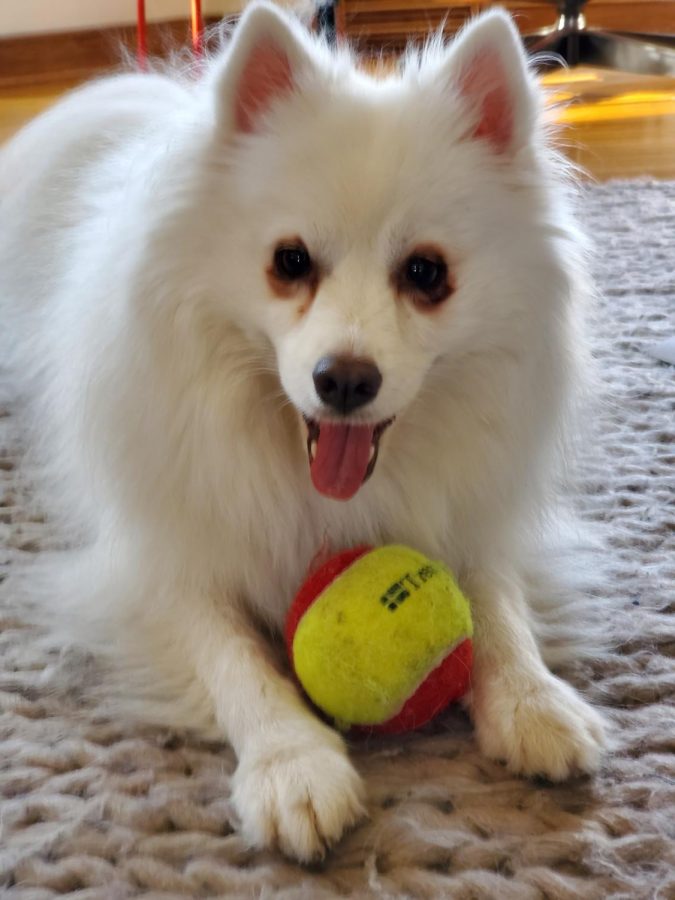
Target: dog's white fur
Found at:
137, 224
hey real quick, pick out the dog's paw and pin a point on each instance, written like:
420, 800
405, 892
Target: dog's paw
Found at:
299, 796
540, 727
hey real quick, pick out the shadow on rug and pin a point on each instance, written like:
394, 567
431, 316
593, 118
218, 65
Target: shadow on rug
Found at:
94, 808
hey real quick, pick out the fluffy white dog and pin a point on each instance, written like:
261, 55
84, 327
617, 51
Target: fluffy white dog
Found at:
242, 298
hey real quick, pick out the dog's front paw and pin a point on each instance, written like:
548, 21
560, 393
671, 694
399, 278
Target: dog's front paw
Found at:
298, 796
538, 727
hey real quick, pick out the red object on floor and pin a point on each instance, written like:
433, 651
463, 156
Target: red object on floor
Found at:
197, 26
196, 30
141, 35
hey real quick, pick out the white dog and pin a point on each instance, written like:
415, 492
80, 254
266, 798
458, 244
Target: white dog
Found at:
240, 298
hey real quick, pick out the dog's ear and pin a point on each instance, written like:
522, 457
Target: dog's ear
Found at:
488, 67
267, 54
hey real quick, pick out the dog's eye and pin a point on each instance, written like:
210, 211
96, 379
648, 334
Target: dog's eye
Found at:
423, 273
425, 278
292, 263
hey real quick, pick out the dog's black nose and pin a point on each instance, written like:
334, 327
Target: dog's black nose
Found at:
346, 382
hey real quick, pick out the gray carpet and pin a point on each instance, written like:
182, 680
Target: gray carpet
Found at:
96, 808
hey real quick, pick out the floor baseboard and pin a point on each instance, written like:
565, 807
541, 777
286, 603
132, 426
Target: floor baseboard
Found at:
74, 56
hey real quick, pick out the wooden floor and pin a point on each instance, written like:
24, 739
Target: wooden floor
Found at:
613, 125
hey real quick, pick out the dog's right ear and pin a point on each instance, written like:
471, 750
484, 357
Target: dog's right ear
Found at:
267, 55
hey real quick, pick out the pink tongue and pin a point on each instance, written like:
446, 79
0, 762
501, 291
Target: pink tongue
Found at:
341, 459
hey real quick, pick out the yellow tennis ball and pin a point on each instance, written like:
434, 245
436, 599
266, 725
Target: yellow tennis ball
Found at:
380, 639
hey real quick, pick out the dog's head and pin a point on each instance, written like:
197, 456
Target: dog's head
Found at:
370, 220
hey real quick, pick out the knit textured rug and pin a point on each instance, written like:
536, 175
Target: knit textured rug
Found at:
98, 808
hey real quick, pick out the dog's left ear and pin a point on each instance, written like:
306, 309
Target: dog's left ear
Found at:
267, 55
488, 67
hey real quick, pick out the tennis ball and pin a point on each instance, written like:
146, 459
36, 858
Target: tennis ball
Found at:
380, 639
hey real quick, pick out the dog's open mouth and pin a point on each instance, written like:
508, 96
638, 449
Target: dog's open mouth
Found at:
342, 456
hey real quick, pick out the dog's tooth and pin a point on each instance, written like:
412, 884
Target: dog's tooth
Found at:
372, 452
312, 451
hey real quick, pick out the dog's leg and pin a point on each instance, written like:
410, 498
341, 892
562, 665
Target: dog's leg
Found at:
523, 714
294, 787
